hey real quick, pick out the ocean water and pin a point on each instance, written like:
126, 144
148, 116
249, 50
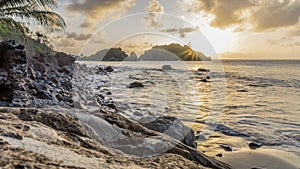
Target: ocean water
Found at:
242, 102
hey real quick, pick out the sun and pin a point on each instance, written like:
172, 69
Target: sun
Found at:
221, 40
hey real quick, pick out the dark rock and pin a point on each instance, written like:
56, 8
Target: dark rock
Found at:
109, 69
172, 127
226, 147
52, 61
167, 67
242, 91
219, 155
135, 85
64, 59
100, 70
205, 80
203, 70
13, 135
229, 131
68, 69
254, 146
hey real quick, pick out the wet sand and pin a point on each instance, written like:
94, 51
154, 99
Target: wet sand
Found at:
261, 159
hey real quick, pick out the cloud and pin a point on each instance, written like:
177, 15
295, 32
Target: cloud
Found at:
181, 31
95, 10
78, 37
260, 15
154, 8
225, 12
275, 14
138, 48
294, 32
64, 42
292, 44
99, 37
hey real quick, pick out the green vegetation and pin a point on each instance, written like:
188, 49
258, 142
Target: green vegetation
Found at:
36, 43
11, 12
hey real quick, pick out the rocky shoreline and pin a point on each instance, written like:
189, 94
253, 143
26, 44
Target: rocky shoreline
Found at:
47, 120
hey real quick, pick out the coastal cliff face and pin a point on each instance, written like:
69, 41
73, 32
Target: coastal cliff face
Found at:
44, 124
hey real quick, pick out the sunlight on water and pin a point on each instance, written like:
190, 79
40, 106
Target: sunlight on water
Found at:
262, 99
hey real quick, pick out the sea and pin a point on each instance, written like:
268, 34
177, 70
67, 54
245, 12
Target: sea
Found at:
232, 102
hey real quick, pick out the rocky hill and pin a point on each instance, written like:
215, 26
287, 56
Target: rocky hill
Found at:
173, 52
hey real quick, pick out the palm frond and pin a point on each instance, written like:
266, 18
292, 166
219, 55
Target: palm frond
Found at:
12, 3
47, 18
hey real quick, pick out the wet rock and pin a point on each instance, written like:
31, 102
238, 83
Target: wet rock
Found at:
242, 91
100, 70
205, 80
226, 147
135, 85
229, 131
219, 155
254, 146
172, 127
167, 67
203, 70
109, 69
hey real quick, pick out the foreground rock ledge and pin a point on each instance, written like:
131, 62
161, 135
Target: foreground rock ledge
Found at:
40, 138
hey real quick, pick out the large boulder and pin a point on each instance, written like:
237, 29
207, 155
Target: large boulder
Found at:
171, 126
64, 59
52, 60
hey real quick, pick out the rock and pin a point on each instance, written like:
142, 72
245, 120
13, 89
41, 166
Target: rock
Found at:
167, 67
132, 57
254, 146
109, 69
172, 127
242, 91
13, 135
205, 80
219, 155
100, 70
68, 69
115, 54
52, 61
226, 147
135, 85
79, 105
203, 70
64, 59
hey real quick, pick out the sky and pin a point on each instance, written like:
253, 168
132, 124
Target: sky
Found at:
226, 29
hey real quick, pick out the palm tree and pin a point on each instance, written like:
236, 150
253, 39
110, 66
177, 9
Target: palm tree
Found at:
14, 12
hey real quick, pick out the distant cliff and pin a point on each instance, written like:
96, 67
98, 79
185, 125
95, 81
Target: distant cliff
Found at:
113, 54
173, 52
